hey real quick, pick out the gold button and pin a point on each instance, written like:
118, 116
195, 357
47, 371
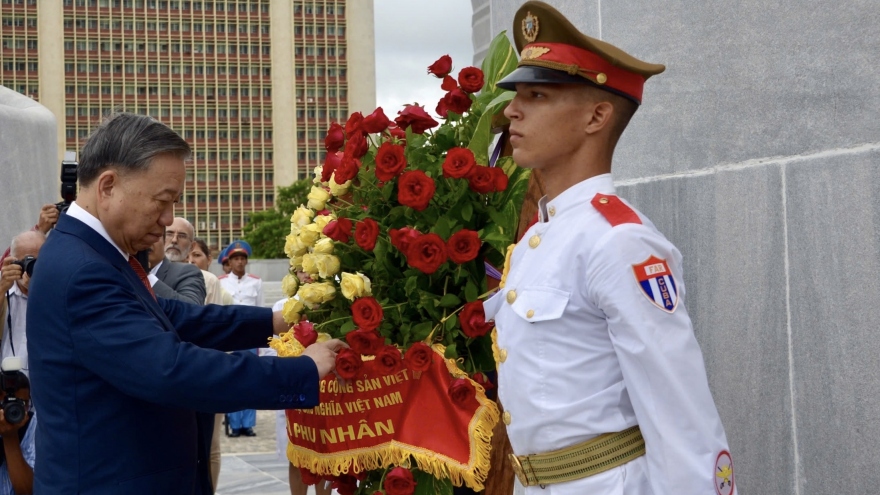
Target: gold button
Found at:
552, 210
511, 296
506, 418
534, 241
601, 78
502, 355
530, 313
604, 201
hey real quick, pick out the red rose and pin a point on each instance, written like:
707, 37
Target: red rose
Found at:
480, 180
473, 320
456, 101
390, 161
366, 342
357, 145
483, 380
415, 189
375, 122
348, 169
305, 333
462, 391
399, 481
415, 116
308, 477
463, 246
426, 253
331, 163
401, 238
367, 313
334, 139
458, 163
470, 79
398, 133
339, 229
499, 178
353, 125
448, 84
345, 485
419, 357
441, 67
348, 363
365, 233
388, 360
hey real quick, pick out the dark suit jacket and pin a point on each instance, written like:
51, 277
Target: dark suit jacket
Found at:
181, 282
117, 376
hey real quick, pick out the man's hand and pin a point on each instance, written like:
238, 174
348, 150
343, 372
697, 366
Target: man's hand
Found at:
324, 355
9, 273
48, 218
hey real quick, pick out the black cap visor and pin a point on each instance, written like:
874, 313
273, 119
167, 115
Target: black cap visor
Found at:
538, 75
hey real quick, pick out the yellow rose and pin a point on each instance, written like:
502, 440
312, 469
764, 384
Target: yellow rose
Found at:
316, 293
296, 262
323, 246
319, 170
355, 285
309, 264
338, 189
309, 235
302, 216
289, 284
327, 264
322, 221
293, 246
317, 198
291, 310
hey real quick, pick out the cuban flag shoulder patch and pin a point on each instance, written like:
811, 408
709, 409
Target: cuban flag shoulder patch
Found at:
657, 284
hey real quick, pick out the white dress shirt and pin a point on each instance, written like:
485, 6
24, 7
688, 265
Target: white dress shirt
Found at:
247, 289
589, 351
14, 341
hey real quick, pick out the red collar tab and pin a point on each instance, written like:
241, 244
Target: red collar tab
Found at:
614, 210
588, 64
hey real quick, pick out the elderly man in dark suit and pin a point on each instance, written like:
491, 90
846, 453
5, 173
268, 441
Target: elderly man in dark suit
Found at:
119, 373
179, 281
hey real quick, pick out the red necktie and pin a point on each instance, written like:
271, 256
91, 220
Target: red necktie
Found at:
139, 270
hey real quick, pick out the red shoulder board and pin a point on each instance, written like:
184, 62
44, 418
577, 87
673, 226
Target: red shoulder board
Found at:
224, 275
253, 276
614, 210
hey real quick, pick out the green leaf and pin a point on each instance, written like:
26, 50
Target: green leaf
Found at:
451, 323
482, 138
500, 60
429, 485
421, 331
449, 301
500, 100
451, 352
471, 292
467, 211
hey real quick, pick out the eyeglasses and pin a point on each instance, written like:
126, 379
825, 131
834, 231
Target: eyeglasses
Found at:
170, 234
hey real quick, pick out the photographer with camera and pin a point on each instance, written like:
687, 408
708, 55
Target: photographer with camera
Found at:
47, 219
14, 283
17, 427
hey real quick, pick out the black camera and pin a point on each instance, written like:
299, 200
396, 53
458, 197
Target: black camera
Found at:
27, 265
68, 181
12, 379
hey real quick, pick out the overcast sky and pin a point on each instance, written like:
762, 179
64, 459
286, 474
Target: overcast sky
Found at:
410, 36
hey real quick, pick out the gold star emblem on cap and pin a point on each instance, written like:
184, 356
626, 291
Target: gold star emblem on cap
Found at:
530, 27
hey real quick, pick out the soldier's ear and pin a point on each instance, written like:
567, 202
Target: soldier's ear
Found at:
600, 117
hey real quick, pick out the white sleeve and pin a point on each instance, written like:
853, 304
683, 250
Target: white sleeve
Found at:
659, 357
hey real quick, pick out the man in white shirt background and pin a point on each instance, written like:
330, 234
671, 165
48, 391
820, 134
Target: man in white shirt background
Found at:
14, 286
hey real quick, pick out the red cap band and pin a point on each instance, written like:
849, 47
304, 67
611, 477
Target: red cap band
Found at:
616, 78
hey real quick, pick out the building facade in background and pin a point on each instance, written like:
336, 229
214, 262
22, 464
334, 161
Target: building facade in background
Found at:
251, 85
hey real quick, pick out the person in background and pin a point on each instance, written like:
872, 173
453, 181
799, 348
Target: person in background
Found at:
19, 454
200, 256
14, 286
246, 289
179, 281
178, 239
223, 259
47, 219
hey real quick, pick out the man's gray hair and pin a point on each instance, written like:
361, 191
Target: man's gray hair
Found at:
188, 225
129, 142
25, 237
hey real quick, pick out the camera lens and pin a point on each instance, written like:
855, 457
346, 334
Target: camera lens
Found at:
13, 411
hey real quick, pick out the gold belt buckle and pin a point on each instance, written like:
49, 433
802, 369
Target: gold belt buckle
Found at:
518, 469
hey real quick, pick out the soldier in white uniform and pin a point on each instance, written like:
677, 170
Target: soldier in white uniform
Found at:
601, 378
245, 289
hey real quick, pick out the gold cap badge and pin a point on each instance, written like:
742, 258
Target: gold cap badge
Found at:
530, 27
533, 52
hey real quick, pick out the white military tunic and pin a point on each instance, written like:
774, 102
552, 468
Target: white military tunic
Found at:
247, 290
586, 350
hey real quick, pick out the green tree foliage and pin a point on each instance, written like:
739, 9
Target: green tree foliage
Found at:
267, 229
